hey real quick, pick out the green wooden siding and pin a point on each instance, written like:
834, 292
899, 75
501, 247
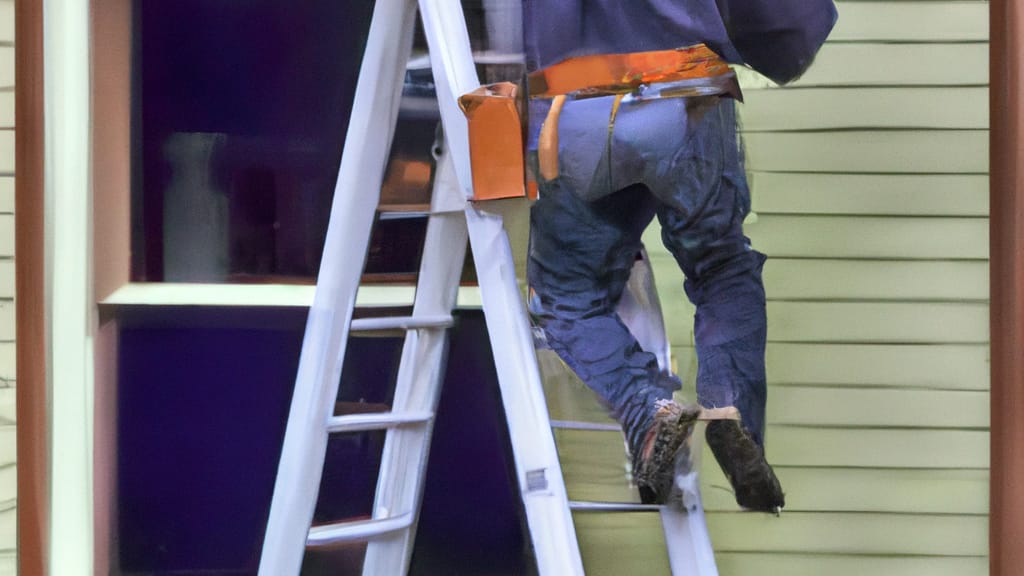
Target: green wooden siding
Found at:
8, 471
870, 196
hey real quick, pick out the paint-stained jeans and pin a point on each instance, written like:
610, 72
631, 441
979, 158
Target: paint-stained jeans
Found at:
678, 159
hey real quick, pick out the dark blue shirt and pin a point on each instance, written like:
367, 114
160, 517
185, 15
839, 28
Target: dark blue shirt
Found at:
778, 38
559, 29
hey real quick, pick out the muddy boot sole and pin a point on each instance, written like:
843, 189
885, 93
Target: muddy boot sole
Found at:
743, 462
654, 469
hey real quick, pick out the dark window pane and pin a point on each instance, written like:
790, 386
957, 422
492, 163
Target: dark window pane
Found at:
241, 110
203, 398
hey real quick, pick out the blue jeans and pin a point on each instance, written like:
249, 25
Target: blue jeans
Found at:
678, 159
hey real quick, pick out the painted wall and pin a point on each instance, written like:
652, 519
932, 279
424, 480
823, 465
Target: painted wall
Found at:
870, 188
7, 363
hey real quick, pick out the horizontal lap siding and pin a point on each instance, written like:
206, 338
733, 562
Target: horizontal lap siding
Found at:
941, 367
917, 21
6, 22
6, 110
878, 322
6, 66
8, 476
832, 533
839, 108
828, 364
872, 237
837, 279
883, 64
869, 406
838, 565
801, 544
870, 490
955, 483
870, 151
870, 196
6, 194
7, 152
939, 238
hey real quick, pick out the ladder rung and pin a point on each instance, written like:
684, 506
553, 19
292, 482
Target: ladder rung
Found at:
576, 425
403, 214
613, 507
378, 421
401, 323
495, 57
356, 531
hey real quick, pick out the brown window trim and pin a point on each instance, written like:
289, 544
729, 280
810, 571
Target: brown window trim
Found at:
32, 431
1006, 206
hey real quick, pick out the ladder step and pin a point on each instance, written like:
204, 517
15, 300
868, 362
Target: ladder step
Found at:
401, 323
403, 214
357, 531
378, 421
577, 425
580, 506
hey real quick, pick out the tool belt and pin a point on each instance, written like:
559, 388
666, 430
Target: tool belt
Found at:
682, 72
690, 71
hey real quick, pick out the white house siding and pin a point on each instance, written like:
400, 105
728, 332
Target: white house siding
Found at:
870, 191
8, 474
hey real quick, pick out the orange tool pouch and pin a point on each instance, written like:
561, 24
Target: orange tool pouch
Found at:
496, 143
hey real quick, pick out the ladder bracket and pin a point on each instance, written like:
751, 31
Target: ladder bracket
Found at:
536, 480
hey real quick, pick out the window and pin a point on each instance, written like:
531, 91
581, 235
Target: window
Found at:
237, 114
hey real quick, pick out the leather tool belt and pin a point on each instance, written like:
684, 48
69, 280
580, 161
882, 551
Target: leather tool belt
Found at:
681, 72
690, 71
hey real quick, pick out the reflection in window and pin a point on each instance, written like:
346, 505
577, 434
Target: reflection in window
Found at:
240, 114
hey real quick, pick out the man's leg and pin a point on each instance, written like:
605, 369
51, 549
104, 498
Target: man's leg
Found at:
580, 257
723, 280
702, 225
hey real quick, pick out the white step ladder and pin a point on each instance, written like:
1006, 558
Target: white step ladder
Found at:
390, 531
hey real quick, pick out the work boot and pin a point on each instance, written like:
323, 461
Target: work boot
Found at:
654, 461
743, 462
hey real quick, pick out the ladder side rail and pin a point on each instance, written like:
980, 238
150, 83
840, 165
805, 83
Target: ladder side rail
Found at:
451, 59
420, 377
356, 195
538, 471
686, 533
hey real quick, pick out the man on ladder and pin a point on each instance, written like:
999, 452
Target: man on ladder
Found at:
632, 115
694, 180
